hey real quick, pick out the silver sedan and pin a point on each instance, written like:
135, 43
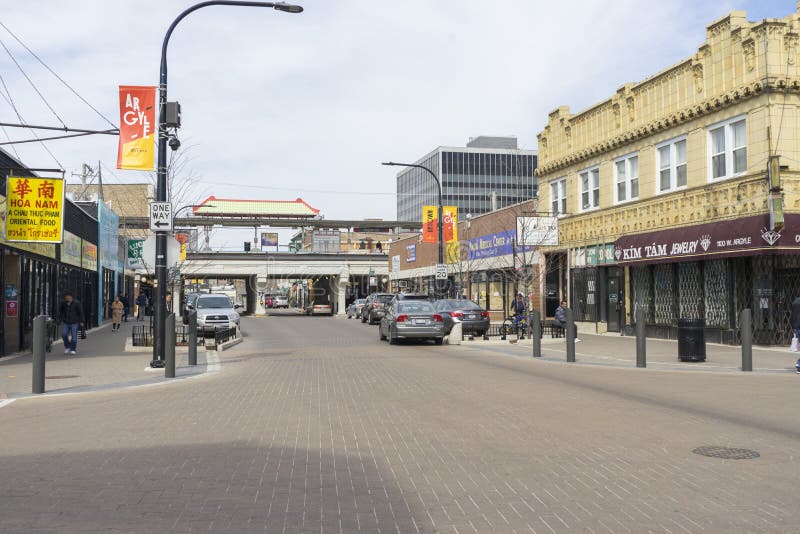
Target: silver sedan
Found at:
411, 319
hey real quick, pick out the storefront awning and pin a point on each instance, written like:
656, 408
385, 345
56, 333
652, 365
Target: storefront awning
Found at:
745, 236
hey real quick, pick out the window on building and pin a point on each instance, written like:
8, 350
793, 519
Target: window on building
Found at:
671, 165
590, 188
558, 196
727, 149
626, 178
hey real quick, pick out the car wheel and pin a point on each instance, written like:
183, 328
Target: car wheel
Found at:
392, 339
363, 318
439, 340
380, 333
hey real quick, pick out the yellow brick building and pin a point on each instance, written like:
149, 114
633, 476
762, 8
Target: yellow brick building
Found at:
664, 193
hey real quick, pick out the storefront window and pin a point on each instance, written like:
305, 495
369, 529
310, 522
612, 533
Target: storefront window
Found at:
642, 287
717, 293
664, 294
690, 291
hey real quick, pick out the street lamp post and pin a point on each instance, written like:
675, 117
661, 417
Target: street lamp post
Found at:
161, 170
440, 216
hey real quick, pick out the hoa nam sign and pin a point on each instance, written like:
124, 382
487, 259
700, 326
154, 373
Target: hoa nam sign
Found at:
34, 209
749, 235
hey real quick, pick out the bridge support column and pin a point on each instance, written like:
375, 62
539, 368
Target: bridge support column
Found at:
344, 279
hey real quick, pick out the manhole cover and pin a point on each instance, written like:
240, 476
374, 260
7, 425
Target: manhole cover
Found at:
726, 453
60, 377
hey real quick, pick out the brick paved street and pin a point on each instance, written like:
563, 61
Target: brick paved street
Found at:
313, 425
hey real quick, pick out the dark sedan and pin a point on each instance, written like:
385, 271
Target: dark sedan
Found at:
473, 318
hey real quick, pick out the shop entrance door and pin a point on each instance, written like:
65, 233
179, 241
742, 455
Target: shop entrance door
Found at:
614, 302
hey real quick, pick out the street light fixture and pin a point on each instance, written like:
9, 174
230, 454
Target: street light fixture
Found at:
439, 217
164, 138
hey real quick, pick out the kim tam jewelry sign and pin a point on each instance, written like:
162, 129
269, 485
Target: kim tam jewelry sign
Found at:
736, 237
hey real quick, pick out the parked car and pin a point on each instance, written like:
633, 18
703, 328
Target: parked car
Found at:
355, 307
374, 307
215, 310
280, 301
473, 318
319, 309
411, 319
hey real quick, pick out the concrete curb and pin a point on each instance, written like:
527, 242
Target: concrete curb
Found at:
230, 343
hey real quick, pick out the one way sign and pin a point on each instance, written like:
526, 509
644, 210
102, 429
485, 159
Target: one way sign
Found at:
160, 217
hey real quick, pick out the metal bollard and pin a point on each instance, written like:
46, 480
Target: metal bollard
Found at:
570, 336
169, 347
193, 337
536, 333
39, 346
746, 329
641, 341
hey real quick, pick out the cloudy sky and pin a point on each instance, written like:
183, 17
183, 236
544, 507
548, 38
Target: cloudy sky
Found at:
278, 106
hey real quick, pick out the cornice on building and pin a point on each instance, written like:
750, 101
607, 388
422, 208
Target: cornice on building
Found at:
739, 60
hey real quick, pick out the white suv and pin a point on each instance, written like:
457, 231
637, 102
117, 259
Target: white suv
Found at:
214, 311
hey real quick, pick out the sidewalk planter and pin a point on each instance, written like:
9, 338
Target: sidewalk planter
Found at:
691, 340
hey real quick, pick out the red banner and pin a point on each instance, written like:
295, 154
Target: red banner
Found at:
137, 125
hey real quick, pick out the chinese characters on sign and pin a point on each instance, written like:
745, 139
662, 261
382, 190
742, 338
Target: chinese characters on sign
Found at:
137, 115
34, 209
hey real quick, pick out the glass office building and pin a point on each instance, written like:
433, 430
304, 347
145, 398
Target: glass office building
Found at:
487, 174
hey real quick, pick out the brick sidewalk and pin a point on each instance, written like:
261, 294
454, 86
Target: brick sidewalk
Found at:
620, 351
100, 363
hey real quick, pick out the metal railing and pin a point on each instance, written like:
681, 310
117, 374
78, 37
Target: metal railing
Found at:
224, 335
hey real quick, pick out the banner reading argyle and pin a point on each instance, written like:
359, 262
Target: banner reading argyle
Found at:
137, 117
429, 222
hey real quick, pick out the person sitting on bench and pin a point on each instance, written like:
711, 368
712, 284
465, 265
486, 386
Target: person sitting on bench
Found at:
561, 316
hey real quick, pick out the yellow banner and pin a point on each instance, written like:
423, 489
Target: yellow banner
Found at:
182, 254
34, 209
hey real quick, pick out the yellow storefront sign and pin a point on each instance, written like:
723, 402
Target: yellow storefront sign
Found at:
34, 209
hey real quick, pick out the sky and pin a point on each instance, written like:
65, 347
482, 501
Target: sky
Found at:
280, 106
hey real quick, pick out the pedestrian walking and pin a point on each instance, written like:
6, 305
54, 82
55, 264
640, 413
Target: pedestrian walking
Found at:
116, 314
125, 307
794, 318
168, 302
141, 302
70, 313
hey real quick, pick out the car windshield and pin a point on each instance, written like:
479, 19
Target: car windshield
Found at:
384, 298
214, 302
415, 306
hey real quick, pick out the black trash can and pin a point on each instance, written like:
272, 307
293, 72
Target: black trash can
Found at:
691, 340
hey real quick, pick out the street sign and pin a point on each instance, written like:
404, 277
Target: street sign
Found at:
441, 271
160, 217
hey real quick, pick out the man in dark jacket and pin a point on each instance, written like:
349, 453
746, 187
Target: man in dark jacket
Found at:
561, 315
71, 315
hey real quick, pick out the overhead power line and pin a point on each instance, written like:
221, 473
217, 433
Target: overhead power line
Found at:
8, 98
59, 78
25, 74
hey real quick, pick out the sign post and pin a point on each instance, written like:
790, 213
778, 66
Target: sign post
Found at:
441, 271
